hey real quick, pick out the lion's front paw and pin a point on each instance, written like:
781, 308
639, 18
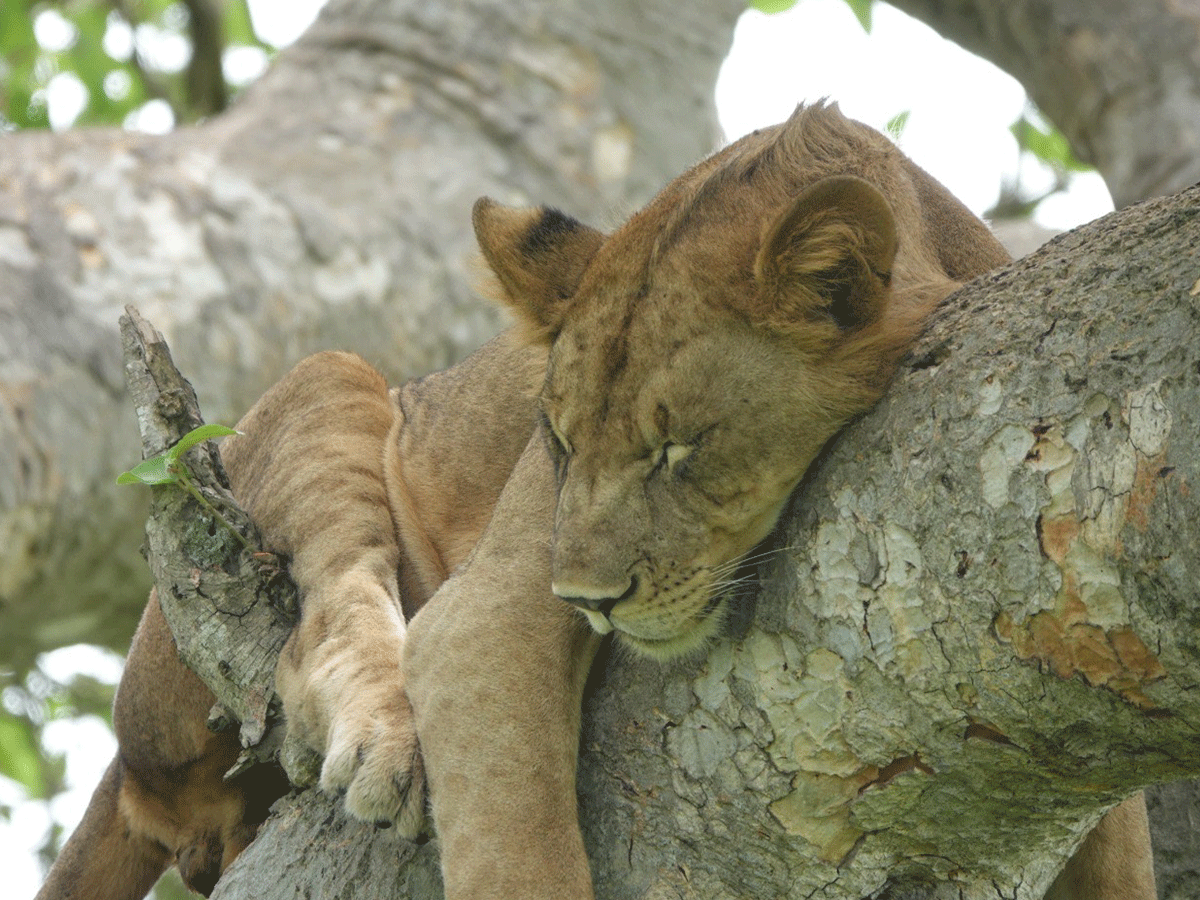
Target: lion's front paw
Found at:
376, 760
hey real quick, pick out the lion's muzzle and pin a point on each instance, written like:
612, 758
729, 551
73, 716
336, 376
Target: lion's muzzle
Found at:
595, 601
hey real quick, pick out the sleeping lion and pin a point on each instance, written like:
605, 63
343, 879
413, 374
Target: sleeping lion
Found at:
462, 543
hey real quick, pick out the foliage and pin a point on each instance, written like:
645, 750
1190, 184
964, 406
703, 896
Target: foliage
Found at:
895, 125
1038, 139
169, 468
116, 56
860, 8
1037, 136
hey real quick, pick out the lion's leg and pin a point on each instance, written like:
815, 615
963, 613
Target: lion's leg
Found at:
495, 667
163, 799
309, 470
1114, 862
105, 859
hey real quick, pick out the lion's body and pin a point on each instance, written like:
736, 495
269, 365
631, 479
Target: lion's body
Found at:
686, 370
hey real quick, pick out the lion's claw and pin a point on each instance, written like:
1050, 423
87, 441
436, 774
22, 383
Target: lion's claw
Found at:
377, 764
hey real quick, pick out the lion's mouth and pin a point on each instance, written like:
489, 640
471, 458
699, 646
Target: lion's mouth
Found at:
601, 623
680, 639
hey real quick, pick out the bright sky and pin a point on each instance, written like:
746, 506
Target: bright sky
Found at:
959, 106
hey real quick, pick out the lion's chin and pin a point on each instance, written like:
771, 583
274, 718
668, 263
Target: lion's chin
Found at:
694, 636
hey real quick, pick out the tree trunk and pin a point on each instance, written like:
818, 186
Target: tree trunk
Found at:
328, 208
981, 634
1120, 79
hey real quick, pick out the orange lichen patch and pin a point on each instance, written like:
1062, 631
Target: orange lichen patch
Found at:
1072, 609
1056, 535
1115, 658
1151, 472
1135, 656
1093, 654
1046, 641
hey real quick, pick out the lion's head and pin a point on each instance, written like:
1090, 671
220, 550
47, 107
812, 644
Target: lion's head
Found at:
702, 354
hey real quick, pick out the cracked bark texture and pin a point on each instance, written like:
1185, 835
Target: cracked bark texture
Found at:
1120, 79
980, 630
329, 208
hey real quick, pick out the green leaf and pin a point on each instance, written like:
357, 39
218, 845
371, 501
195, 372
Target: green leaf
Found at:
895, 125
770, 7
165, 468
1047, 144
196, 435
19, 757
862, 12
155, 470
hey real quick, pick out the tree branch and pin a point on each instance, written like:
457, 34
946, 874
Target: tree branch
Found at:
229, 608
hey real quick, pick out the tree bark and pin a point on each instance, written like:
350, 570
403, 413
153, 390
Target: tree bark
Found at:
1120, 79
979, 633
1122, 82
328, 208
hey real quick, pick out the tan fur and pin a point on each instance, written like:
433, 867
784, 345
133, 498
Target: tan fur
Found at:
686, 371
324, 456
711, 347
1114, 862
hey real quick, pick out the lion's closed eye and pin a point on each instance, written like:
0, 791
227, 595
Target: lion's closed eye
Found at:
671, 456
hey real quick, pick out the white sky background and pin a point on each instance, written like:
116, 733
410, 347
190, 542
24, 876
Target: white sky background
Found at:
960, 109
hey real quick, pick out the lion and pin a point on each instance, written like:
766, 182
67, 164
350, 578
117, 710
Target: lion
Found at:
463, 543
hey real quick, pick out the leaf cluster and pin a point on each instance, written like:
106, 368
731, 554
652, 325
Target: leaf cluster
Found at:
112, 50
860, 8
1038, 138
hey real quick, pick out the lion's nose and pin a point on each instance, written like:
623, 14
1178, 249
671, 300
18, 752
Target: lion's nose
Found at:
595, 598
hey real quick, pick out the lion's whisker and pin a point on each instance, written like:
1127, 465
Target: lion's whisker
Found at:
733, 565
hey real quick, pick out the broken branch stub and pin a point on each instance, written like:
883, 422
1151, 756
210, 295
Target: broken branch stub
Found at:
229, 609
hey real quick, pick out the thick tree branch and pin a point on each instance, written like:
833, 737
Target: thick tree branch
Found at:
1120, 79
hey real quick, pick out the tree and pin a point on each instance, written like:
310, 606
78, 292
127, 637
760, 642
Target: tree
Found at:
306, 212
1117, 78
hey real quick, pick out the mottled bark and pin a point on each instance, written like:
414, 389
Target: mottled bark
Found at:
1121, 79
229, 605
986, 630
981, 634
328, 208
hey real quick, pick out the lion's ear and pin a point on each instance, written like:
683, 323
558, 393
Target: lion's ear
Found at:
538, 254
828, 256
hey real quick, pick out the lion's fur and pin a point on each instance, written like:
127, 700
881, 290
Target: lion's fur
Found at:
686, 370
758, 303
